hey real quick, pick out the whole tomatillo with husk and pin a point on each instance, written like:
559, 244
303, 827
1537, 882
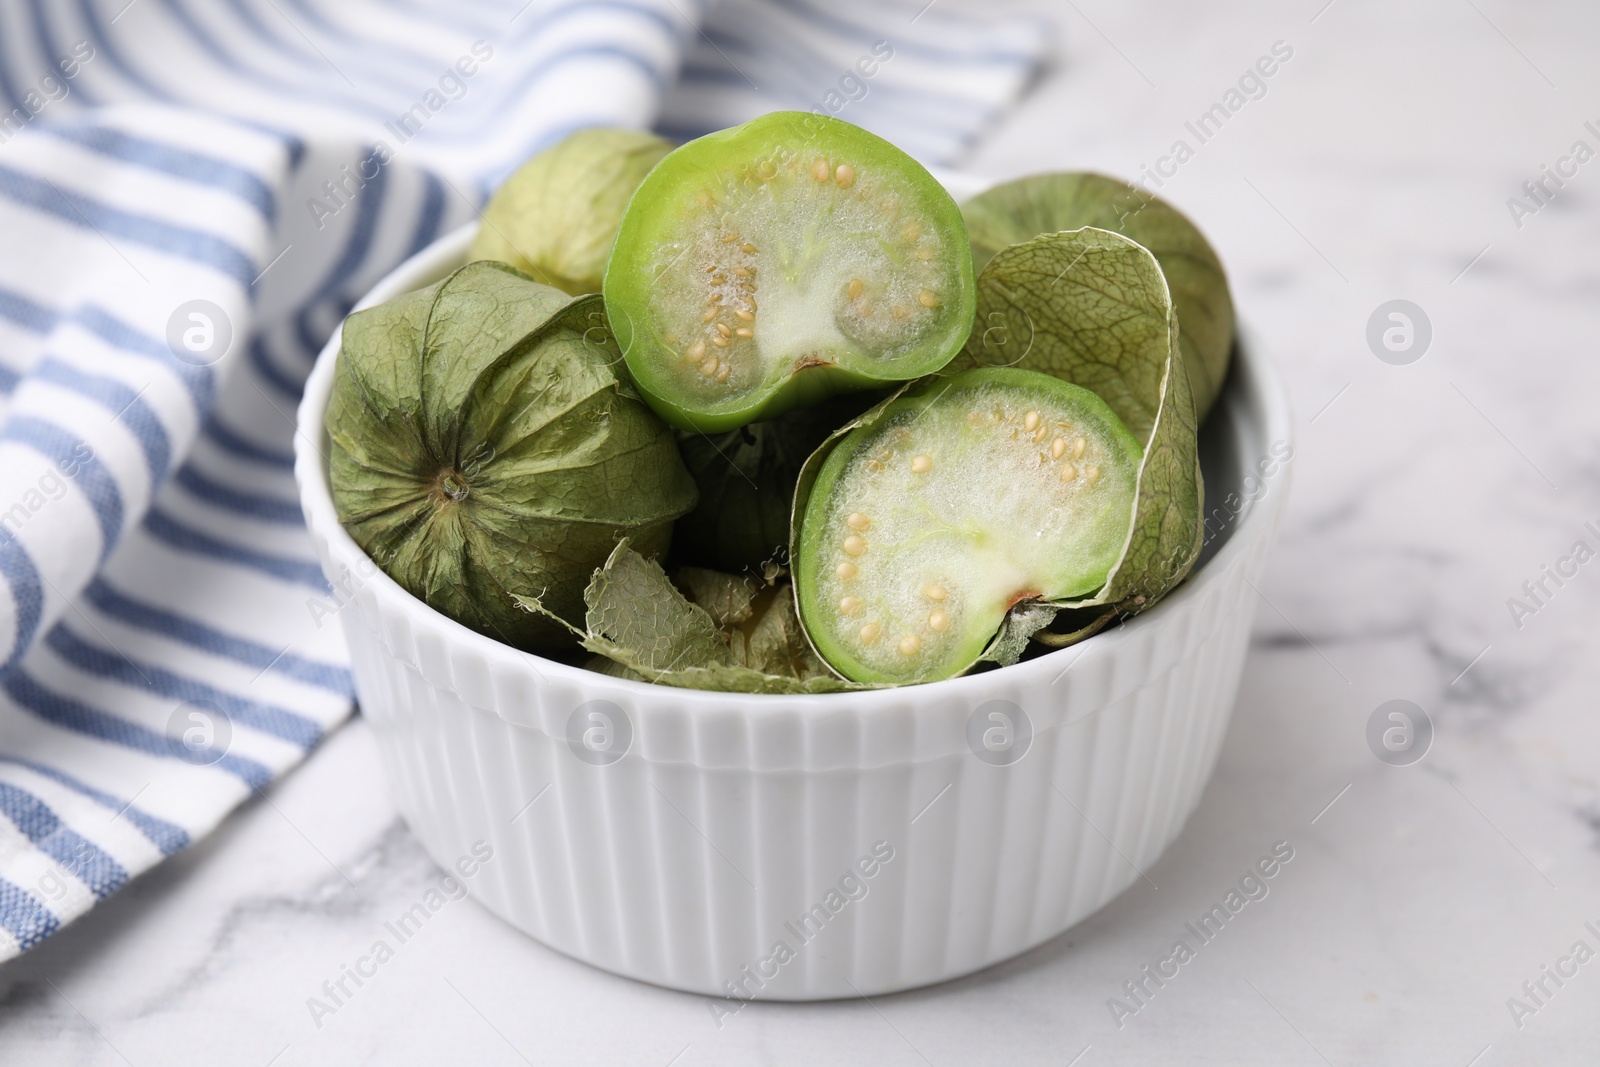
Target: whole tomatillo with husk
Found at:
485, 445
1020, 210
557, 214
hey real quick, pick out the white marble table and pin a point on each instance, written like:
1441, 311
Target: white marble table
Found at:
1376, 166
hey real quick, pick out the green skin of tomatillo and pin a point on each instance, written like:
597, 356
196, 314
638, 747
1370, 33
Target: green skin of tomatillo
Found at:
941, 510
767, 266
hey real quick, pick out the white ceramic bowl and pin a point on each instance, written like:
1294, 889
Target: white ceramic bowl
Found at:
804, 847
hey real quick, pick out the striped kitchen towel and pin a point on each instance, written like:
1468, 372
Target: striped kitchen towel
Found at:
192, 196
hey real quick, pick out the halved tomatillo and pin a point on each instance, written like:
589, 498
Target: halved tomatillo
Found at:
766, 266
945, 507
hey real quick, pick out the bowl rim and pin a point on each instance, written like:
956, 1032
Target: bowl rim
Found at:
1250, 371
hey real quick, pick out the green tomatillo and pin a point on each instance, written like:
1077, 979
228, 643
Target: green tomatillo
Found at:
940, 511
557, 214
764, 267
484, 446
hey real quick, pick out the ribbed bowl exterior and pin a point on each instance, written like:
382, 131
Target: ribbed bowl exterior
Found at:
799, 847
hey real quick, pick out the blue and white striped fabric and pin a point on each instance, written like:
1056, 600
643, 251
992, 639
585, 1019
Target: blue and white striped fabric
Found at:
192, 195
